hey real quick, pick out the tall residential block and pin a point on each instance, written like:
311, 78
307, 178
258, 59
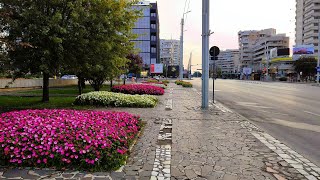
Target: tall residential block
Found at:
229, 61
148, 31
254, 46
307, 22
170, 52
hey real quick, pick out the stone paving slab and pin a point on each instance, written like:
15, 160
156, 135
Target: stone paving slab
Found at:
214, 144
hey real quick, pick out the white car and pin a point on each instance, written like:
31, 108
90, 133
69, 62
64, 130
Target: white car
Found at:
69, 77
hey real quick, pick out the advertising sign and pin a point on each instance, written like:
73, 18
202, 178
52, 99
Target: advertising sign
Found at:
273, 53
247, 70
303, 49
156, 68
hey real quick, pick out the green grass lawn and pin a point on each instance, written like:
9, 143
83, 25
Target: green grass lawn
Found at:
69, 90
16, 102
9, 103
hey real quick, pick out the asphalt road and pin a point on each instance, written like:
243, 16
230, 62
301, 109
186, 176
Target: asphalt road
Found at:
288, 112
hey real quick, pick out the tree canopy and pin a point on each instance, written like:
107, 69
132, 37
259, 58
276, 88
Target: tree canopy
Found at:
306, 65
86, 37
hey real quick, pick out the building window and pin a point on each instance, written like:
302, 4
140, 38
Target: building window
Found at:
153, 50
153, 14
153, 38
153, 26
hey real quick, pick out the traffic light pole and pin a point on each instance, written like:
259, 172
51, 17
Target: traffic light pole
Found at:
213, 65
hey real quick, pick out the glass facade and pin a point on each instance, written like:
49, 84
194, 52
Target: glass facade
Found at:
143, 23
147, 40
143, 34
143, 46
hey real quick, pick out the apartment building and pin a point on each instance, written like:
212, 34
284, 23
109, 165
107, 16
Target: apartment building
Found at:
170, 52
148, 31
254, 46
229, 61
307, 22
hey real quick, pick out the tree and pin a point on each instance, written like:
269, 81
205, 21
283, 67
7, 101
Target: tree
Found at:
74, 35
306, 65
135, 63
99, 49
197, 74
35, 31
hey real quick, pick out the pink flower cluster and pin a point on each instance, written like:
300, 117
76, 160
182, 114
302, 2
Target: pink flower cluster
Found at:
138, 89
47, 138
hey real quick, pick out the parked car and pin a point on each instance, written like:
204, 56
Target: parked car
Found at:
69, 77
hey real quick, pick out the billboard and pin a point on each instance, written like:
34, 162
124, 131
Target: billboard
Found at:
283, 52
247, 70
156, 68
303, 49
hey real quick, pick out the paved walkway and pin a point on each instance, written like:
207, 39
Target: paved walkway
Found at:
190, 143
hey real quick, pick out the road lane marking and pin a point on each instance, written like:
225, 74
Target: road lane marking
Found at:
312, 113
304, 126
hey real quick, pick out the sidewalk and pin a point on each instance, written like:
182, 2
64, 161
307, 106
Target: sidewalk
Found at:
190, 143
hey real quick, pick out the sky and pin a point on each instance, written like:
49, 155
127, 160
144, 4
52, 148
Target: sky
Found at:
227, 18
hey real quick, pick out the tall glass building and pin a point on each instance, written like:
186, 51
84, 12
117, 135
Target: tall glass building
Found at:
147, 29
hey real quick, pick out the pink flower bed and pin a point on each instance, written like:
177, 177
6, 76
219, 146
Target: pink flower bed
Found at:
66, 138
138, 89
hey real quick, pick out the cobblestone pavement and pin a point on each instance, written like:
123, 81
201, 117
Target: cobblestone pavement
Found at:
190, 143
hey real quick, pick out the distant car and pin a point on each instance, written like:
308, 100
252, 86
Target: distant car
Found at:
69, 77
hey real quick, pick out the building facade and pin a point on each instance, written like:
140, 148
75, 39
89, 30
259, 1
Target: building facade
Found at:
148, 30
255, 45
170, 52
229, 61
307, 22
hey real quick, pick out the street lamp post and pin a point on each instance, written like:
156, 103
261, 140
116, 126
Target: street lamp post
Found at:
181, 46
205, 53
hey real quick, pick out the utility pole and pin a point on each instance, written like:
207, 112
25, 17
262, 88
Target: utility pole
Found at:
267, 58
189, 66
181, 49
205, 53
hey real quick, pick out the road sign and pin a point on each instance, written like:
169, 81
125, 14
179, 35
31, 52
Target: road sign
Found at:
318, 69
214, 51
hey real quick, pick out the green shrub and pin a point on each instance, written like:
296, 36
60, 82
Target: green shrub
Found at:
104, 98
183, 83
165, 82
186, 84
179, 82
283, 79
152, 80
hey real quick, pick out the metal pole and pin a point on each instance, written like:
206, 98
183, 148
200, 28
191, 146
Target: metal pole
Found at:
318, 73
181, 50
267, 53
205, 53
213, 65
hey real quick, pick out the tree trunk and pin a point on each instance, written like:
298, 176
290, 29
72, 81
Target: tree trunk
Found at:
124, 81
83, 83
45, 93
111, 83
80, 86
96, 86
